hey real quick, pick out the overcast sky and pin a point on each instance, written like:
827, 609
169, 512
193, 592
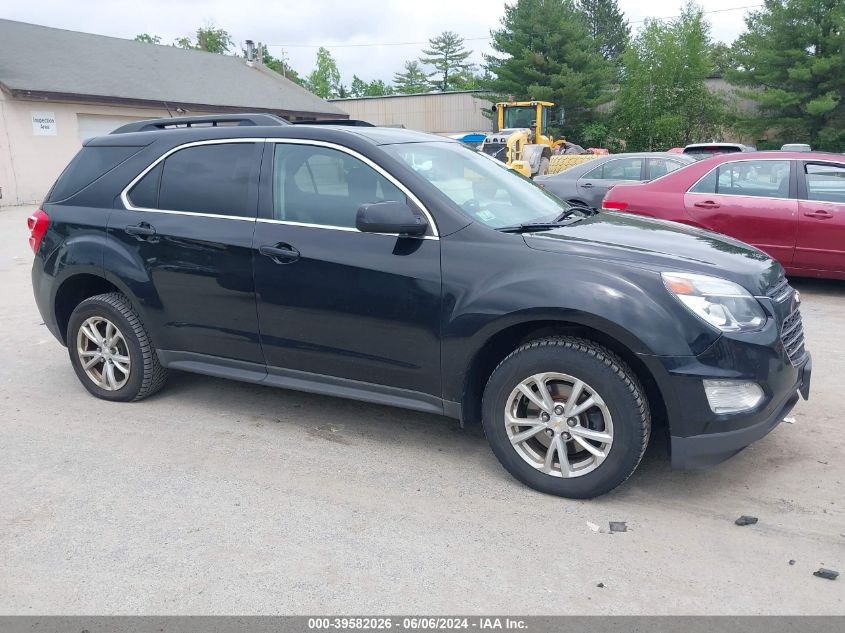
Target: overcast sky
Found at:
359, 33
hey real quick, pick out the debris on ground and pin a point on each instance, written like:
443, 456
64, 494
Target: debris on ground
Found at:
601, 585
827, 574
597, 528
746, 520
789, 420
618, 526
791, 561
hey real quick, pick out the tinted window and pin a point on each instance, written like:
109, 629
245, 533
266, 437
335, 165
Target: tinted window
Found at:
757, 178
318, 185
825, 183
210, 179
88, 165
145, 193
658, 167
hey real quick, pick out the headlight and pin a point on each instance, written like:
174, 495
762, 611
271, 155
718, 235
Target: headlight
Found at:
721, 303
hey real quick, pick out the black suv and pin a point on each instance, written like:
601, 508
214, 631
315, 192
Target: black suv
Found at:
405, 269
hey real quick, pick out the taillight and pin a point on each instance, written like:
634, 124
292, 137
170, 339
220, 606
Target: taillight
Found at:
37, 224
614, 205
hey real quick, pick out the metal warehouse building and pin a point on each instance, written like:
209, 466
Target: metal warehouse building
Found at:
59, 87
435, 112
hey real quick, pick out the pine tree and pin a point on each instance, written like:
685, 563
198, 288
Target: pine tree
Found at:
546, 52
446, 53
607, 25
412, 80
792, 59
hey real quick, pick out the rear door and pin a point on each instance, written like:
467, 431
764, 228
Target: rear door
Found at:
593, 185
751, 200
186, 229
821, 222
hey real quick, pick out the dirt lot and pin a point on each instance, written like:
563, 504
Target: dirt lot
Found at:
219, 497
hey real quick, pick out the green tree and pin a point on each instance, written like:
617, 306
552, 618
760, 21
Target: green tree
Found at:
358, 87
147, 38
208, 38
663, 100
413, 80
377, 88
324, 80
724, 59
607, 25
792, 59
545, 51
446, 53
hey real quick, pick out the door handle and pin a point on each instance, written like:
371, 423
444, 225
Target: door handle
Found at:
280, 253
141, 231
587, 185
707, 204
820, 215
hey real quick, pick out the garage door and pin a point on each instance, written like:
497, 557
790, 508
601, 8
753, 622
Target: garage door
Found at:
89, 125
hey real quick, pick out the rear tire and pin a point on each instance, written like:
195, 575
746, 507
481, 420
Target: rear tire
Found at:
603, 443
111, 351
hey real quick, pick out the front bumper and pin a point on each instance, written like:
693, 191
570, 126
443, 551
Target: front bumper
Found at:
702, 451
701, 438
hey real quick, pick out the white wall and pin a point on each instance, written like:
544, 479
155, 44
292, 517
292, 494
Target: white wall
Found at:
30, 162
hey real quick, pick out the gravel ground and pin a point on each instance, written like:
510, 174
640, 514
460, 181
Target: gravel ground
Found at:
218, 497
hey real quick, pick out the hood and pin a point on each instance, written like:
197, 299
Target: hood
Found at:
662, 246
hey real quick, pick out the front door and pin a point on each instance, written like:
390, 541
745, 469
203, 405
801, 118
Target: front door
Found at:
751, 200
821, 223
189, 223
333, 301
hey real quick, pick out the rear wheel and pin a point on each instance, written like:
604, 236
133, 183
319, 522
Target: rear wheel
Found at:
111, 351
567, 417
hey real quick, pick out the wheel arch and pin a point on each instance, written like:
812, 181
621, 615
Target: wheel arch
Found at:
504, 341
72, 291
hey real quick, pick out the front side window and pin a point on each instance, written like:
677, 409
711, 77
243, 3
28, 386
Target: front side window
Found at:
218, 179
320, 185
825, 183
480, 187
755, 178
520, 116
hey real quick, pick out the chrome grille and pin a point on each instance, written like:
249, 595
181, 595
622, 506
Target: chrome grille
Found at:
780, 291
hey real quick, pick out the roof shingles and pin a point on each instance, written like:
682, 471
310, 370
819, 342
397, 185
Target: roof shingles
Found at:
40, 59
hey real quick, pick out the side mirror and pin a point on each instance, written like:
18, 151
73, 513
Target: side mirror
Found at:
390, 217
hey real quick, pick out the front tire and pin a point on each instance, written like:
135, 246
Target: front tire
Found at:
111, 351
566, 416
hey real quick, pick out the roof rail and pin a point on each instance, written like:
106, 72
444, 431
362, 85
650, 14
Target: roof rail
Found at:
210, 120
349, 122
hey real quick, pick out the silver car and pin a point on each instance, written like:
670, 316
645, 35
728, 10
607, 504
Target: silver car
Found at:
587, 183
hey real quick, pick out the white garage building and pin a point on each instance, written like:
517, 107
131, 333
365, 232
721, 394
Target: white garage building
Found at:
59, 87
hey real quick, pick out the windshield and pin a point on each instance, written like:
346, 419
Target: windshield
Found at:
482, 187
520, 116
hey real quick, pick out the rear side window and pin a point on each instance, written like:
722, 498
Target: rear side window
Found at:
220, 179
89, 164
825, 183
145, 193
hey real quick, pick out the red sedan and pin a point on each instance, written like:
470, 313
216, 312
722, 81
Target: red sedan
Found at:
789, 204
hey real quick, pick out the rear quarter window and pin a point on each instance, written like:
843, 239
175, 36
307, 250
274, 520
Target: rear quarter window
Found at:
89, 164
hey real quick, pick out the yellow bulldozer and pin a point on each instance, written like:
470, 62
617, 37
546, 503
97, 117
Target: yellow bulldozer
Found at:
522, 139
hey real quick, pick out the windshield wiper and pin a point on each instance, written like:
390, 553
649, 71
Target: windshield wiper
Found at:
528, 227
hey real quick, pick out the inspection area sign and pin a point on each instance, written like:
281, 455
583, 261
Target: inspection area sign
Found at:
44, 123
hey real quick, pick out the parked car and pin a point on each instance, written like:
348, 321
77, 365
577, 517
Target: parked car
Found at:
390, 266
789, 205
796, 147
700, 151
587, 183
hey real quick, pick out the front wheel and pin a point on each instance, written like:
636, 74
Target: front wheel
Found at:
567, 417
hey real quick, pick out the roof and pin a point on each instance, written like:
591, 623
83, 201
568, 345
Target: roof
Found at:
432, 93
43, 62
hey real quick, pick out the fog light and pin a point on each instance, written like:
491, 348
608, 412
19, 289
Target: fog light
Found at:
732, 396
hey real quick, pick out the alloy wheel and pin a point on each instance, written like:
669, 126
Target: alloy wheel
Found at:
103, 353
